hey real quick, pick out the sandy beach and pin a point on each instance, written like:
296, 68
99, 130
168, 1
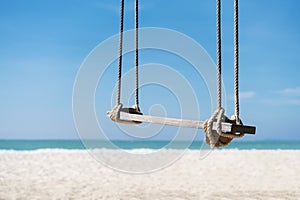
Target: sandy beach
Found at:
223, 174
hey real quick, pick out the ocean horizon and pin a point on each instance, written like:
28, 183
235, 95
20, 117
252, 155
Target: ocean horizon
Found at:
22, 145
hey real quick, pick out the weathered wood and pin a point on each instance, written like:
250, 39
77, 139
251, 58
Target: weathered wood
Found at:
226, 127
161, 120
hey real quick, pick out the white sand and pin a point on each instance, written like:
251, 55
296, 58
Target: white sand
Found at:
226, 174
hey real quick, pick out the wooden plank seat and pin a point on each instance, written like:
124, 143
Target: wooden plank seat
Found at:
131, 118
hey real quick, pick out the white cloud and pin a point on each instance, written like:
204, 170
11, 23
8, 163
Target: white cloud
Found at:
288, 96
293, 102
282, 102
247, 94
290, 91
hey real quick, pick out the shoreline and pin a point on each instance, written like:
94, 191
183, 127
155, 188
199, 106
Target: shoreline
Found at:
62, 150
196, 145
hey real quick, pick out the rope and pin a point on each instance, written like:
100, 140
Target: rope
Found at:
120, 51
137, 54
236, 60
216, 138
219, 54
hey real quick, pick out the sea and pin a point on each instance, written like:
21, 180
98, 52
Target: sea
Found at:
22, 145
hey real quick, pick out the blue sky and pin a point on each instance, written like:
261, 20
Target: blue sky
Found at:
43, 44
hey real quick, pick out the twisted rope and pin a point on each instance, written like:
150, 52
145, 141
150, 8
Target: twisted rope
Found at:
216, 138
120, 51
219, 53
137, 54
236, 60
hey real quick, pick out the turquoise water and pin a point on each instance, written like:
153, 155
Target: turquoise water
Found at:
76, 144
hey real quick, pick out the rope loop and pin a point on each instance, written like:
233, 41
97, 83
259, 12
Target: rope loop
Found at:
214, 136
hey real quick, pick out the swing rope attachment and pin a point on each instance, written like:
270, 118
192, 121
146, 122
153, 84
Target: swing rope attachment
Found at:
114, 114
118, 100
215, 138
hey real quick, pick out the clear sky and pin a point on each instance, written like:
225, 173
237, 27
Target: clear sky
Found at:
43, 43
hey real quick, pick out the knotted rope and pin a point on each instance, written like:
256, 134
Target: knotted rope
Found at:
215, 137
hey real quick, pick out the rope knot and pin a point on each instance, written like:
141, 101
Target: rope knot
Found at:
114, 114
214, 135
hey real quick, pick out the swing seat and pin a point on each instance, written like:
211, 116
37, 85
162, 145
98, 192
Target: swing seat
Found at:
114, 114
131, 110
226, 126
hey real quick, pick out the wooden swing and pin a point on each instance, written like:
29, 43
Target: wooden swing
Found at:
219, 129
